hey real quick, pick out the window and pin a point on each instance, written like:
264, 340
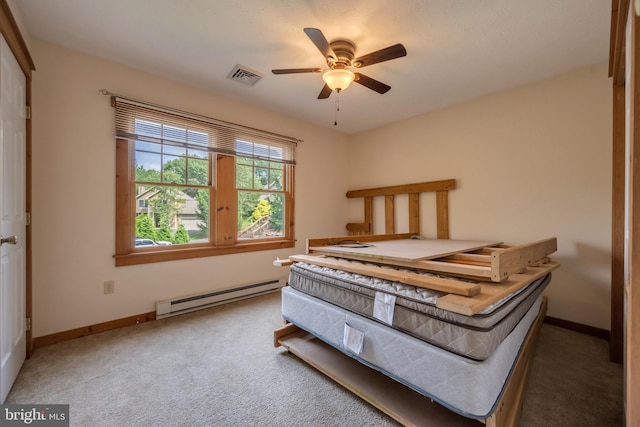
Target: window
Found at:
189, 186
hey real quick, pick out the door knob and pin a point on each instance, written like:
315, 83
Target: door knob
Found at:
12, 240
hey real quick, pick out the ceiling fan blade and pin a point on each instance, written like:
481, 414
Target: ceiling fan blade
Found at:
321, 42
325, 92
297, 70
386, 54
371, 83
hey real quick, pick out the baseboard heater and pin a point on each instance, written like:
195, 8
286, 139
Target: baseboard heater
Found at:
186, 304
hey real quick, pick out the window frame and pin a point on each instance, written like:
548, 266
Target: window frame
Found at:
223, 211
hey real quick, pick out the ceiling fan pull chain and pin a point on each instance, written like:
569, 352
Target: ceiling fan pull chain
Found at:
335, 122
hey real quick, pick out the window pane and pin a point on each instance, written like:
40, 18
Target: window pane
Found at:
171, 216
244, 160
261, 178
275, 180
260, 215
198, 171
244, 176
148, 146
147, 166
199, 154
173, 150
174, 170
261, 163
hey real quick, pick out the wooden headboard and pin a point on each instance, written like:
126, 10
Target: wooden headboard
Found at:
441, 188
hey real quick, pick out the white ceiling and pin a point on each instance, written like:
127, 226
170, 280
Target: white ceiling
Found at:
457, 49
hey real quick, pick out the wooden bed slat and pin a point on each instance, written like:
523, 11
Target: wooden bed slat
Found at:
479, 272
414, 213
431, 282
493, 292
389, 215
442, 214
514, 259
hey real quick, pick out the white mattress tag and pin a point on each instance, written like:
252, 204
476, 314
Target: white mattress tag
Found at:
383, 307
353, 339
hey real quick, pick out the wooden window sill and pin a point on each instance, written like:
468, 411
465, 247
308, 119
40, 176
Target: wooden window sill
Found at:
147, 257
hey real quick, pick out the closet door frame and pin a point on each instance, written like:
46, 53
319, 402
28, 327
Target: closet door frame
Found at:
11, 32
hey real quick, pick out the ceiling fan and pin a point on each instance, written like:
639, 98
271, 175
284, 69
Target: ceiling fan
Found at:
340, 57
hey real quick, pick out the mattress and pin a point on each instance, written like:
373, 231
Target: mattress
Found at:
468, 387
412, 310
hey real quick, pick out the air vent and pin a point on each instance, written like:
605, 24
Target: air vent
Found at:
244, 75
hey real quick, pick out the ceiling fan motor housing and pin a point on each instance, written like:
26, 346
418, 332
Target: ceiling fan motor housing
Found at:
345, 51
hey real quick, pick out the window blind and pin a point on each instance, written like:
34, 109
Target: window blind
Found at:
139, 121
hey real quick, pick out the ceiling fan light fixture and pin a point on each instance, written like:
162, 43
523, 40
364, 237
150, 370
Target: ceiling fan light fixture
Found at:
338, 79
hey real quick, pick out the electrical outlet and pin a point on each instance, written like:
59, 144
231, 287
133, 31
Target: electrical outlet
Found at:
109, 287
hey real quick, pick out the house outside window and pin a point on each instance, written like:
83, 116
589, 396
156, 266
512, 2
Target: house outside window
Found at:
189, 186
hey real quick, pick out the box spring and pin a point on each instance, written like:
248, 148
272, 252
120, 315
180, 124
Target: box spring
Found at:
468, 387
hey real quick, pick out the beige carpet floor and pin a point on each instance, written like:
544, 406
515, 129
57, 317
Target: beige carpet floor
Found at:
218, 367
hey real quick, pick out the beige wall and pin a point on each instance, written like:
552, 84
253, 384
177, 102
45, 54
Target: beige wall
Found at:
73, 193
530, 163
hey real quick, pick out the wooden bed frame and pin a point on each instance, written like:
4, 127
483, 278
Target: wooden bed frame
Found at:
510, 266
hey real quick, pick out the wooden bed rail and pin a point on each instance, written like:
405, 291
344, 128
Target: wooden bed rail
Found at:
441, 188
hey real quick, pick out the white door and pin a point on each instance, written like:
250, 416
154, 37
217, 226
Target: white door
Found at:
12, 219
